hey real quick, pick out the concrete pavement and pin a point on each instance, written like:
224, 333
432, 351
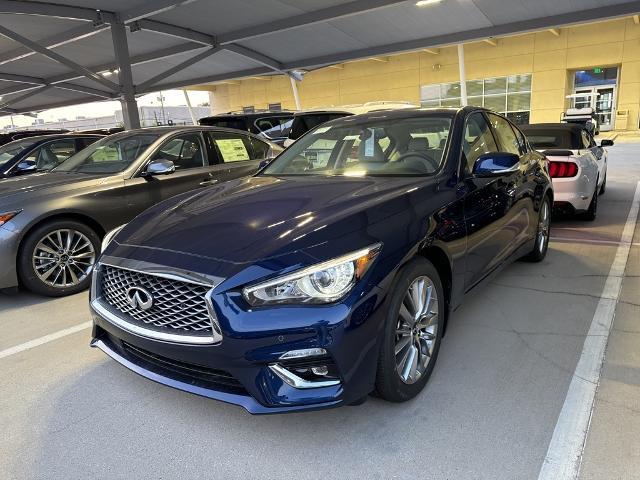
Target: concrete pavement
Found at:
489, 411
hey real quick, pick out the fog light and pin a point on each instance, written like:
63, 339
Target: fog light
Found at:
305, 352
322, 370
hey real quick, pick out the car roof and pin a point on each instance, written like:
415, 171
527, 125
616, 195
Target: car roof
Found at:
168, 130
403, 114
570, 127
54, 136
356, 109
249, 114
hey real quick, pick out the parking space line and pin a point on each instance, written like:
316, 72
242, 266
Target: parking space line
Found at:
42, 340
564, 455
589, 240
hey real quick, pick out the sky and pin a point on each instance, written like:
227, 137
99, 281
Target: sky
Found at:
100, 109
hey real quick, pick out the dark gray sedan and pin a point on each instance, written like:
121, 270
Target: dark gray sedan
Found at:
51, 224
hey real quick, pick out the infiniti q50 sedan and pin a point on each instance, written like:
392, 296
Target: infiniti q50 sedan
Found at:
51, 224
326, 276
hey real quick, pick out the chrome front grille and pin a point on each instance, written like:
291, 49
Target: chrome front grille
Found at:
178, 307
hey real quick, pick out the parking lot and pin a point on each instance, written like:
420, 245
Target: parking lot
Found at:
489, 411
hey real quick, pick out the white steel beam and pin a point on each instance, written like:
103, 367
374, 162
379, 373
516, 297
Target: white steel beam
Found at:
36, 47
463, 76
256, 57
55, 10
309, 18
72, 35
177, 68
151, 8
82, 89
175, 31
10, 77
20, 98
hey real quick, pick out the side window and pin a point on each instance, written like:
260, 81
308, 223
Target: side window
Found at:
274, 127
522, 141
506, 138
230, 147
260, 149
477, 140
52, 154
84, 142
185, 151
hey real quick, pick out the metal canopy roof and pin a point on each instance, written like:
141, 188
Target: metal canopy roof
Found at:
65, 52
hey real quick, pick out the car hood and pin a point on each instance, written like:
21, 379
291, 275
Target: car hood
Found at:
35, 184
265, 218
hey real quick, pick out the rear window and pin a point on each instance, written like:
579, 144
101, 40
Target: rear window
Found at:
225, 122
303, 123
541, 139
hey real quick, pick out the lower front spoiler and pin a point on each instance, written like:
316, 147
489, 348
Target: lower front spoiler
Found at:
245, 401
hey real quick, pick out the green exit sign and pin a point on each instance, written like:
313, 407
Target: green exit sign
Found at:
597, 70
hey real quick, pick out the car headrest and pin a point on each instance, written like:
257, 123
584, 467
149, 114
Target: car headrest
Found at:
418, 144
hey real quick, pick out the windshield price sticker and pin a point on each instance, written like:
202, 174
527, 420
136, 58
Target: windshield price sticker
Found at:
321, 130
368, 144
232, 149
106, 154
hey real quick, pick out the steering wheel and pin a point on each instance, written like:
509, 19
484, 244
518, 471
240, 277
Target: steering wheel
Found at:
422, 156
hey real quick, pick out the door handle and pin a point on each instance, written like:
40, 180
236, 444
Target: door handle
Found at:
208, 181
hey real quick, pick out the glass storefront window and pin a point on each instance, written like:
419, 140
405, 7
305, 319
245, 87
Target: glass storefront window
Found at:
510, 95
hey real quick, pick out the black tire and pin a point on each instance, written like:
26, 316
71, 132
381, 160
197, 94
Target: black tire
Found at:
591, 213
389, 384
543, 232
26, 262
603, 187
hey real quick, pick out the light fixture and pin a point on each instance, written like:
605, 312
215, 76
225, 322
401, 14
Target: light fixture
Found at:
424, 3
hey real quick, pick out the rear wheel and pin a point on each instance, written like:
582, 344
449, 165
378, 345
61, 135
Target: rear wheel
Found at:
413, 332
56, 259
542, 233
590, 214
604, 184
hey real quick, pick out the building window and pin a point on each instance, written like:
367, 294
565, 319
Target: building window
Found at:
510, 95
274, 107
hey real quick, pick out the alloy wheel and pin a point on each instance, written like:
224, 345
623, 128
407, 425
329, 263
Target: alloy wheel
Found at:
63, 258
416, 329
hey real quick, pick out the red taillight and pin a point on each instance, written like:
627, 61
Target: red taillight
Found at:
563, 169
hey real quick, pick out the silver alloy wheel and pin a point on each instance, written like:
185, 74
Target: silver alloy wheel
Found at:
543, 226
63, 258
416, 329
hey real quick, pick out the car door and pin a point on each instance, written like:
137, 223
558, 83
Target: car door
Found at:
595, 152
488, 203
239, 154
188, 153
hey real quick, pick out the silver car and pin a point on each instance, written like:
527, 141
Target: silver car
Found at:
51, 224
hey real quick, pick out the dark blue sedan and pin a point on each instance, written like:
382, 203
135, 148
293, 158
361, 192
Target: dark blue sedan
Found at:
333, 272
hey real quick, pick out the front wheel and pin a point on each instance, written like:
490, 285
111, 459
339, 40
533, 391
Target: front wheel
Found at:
56, 259
413, 332
541, 244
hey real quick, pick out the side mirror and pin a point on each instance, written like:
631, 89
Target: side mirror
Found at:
606, 143
496, 163
27, 166
160, 167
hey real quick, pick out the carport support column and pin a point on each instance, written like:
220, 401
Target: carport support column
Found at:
463, 76
296, 96
127, 95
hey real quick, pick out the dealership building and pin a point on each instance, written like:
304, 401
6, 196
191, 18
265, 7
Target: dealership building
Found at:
532, 77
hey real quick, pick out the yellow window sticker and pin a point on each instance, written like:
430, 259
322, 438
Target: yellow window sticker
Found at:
233, 149
105, 154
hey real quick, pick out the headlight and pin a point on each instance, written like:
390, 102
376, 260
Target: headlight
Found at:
325, 282
6, 216
109, 236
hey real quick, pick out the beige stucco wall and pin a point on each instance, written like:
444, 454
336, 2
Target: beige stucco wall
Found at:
550, 58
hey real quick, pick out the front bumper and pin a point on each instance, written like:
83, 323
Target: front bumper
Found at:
238, 369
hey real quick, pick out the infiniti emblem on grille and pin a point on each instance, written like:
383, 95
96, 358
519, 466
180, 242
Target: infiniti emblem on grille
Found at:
139, 297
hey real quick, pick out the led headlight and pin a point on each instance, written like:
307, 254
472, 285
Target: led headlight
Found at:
325, 282
109, 236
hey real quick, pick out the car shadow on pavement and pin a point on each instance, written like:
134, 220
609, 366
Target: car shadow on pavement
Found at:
502, 375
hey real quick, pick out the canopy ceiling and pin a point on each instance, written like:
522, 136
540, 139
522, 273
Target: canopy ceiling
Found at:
75, 51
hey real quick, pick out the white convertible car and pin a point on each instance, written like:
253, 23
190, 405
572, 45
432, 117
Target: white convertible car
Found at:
577, 165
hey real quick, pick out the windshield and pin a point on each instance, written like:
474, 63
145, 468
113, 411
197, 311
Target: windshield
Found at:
10, 150
409, 146
541, 139
110, 155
